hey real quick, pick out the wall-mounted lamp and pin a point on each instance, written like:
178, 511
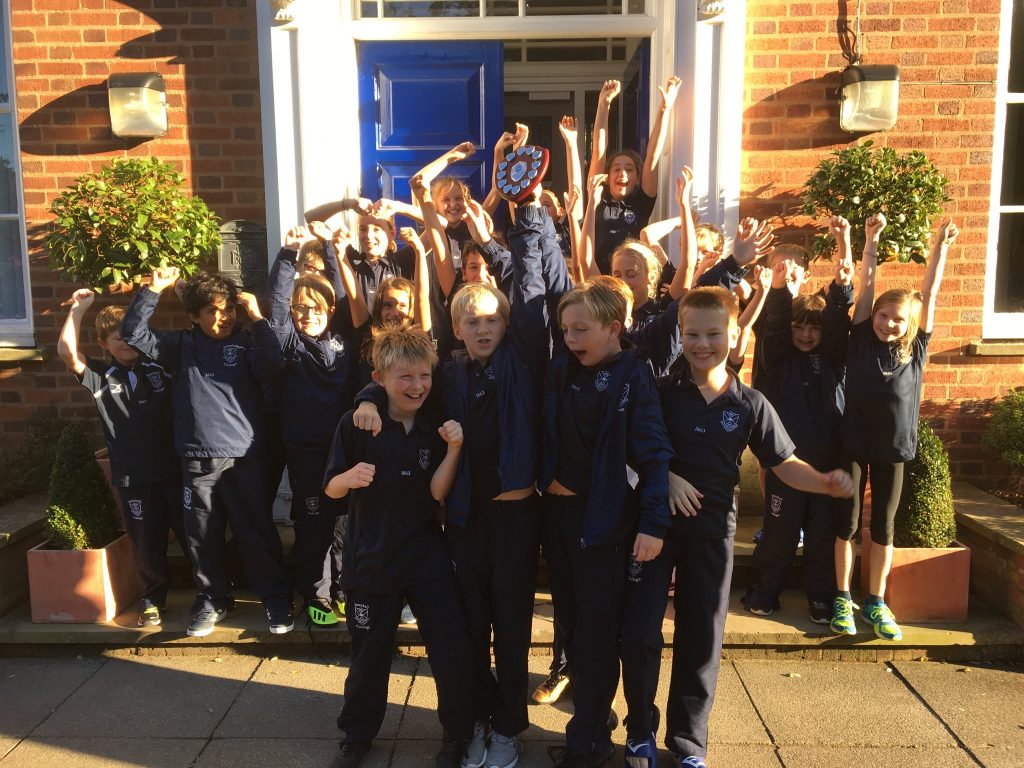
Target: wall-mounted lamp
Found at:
870, 97
710, 9
138, 105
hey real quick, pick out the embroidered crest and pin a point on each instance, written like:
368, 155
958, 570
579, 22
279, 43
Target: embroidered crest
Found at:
601, 380
424, 458
187, 498
156, 380
624, 400
362, 615
636, 568
115, 388
135, 507
730, 420
628, 216
313, 505
489, 373
232, 353
335, 344
776, 504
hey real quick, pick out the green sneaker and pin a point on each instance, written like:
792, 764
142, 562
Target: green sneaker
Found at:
149, 615
881, 618
321, 613
843, 622
339, 608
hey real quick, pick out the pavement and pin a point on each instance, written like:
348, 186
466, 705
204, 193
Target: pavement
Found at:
252, 711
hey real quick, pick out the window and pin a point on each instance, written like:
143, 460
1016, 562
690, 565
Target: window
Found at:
394, 9
1004, 285
15, 308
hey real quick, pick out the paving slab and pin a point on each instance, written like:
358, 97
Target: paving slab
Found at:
733, 717
735, 756
33, 688
37, 752
183, 696
284, 753
999, 757
847, 703
982, 705
890, 757
305, 696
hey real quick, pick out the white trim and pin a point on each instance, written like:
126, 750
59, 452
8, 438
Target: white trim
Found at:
505, 27
1000, 325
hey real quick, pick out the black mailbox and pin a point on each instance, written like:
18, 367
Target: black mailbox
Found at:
243, 255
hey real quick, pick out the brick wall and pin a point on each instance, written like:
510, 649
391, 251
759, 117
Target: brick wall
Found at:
64, 50
947, 53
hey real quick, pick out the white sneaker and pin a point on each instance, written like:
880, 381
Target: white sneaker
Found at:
476, 750
408, 618
503, 751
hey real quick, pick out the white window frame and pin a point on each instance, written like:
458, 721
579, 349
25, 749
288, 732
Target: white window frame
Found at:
1000, 325
13, 332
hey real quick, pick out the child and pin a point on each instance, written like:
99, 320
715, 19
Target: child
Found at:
218, 371
804, 344
601, 414
395, 550
133, 398
885, 362
711, 418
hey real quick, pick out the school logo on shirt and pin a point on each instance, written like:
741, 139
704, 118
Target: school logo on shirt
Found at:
489, 373
601, 380
624, 400
156, 381
313, 505
232, 354
636, 569
335, 344
115, 388
135, 507
730, 420
362, 615
775, 504
187, 498
424, 458
628, 216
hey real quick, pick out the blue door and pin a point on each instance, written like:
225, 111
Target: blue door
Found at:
417, 100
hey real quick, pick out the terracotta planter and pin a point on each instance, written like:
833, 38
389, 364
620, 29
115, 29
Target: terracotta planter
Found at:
88, 586
924, 585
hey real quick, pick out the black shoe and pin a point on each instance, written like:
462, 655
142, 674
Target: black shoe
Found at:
351, 754
203, 621
563, 758
280, 620
451, 753
821, 613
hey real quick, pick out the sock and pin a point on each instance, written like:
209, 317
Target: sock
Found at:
846, 595
874, 599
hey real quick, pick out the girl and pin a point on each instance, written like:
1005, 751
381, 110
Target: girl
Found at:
885, 360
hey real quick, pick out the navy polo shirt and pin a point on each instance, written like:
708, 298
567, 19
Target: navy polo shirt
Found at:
618, 220
482, 441
394, 539
579, 421
708, 440
135, 407
883, 396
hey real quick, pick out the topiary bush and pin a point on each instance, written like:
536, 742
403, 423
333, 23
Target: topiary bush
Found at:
126, 220
925, 515
26, 461
81, 513
1004, 433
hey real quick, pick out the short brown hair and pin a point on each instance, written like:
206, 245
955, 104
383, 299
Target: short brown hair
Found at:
710, 297
632, 155
807, 309
108, 321
790, 251
391, 284
316, 289
608, 299
469, 295
396, 344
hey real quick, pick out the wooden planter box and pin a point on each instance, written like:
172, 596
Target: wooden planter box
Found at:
88, 586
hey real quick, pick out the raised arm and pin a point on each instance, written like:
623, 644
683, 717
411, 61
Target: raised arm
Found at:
421, 278
436, 233
948, 233
599, 154
498, 258
570, 133
436, 167
868, 266
588, 241
385, 208
67, 345
750, 313
325, 235
356, 300
572, 201
656, 145
135, 330
683, 278
325, 211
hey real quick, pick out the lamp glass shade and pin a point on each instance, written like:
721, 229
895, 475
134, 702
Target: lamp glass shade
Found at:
137, 110
870, 99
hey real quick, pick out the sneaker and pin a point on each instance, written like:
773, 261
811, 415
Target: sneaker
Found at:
759, 535
149, 615
476, 749
339, 608
820, 613
881, 618
549, 691
758, 609
642, 754
503, 751
800, 542
280, 620
202, 622
842, 617
692, 762
351, 754
408, 619
321, 612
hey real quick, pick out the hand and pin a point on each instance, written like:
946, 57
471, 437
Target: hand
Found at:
780, 271
595, 185
753, 241
296, 237
341, 240
569, 129
683, 498
474, 216
248, 302
840, 228
463, 150
839, 484
451, 433
763, 278
646, 547
412, 237
359, 476
360, 205
163, 278
609, 91
684, 187
384, 209
706, 263
82, 299
669, 91
418, 188
321, 231
521, 137
572, 200
502, 145
948, 232
367, 418
873, 228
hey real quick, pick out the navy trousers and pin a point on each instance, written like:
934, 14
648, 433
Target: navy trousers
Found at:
314, 515
149, 512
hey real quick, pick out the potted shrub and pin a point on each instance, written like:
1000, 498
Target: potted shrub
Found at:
114, 226
859, 181
931, 571
84, 572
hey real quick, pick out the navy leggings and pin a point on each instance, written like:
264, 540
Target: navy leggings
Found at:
886, 488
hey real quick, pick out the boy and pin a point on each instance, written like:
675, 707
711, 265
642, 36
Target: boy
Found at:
803, 341
711, 418
133, 398
395, 550
601, 414
219, 372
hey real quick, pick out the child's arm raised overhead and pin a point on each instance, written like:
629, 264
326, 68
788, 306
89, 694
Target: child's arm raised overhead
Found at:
421, 278
434, 168
656, 145
598, 156
835, 320
444, 476
948, 233
588, 241
161, 346
572, 201
683, 278
498, 258
325, 211
505, 143
868, 266
385, 208
282, 282
356, 301
750, 313
67, 345
569, 130
435, 230
267, 360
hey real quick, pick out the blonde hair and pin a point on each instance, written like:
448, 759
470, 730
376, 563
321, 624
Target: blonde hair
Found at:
712, 236
608, 299
447, 182
315, 288
710, 297
913, 301
644, 257
108, 321
468, 297
807, 309
391, 284
398, 344
790, 251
